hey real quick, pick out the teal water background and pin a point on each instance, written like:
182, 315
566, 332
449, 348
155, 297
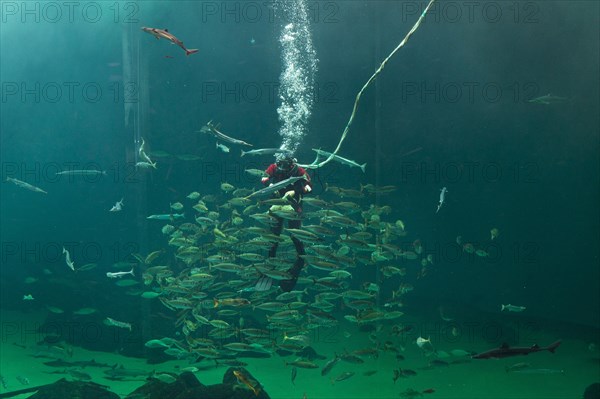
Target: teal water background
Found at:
457, 94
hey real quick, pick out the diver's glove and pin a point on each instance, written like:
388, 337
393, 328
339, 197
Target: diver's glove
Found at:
264, 180
289, 194
307, 189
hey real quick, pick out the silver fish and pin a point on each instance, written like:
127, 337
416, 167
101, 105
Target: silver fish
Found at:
512, 308
212, 129
173, 216
342, 160
443, 192
539, 371
549, 99
118, 206
275, 187
24, 185
81, 172
68, 260
266, 151
115, 323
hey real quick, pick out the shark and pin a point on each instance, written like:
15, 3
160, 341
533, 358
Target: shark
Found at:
506, 351
165, 34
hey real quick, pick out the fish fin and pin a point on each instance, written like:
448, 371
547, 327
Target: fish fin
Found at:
362, 167
552, 347
191, 51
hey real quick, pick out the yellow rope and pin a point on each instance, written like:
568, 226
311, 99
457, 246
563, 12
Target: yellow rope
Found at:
315, 165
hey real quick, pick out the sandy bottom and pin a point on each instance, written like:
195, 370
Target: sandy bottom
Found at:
564, 374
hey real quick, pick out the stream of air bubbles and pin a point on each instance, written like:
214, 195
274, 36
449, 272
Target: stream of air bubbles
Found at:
297, 80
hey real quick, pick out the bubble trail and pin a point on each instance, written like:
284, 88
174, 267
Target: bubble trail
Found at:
297, 80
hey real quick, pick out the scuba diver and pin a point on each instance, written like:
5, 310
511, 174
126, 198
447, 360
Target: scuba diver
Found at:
284, 168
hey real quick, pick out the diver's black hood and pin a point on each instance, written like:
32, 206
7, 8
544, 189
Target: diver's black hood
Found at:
287, 165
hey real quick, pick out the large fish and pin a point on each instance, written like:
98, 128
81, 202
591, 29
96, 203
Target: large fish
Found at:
507, 351
82, 364
173, 216
119, 373
213, 129
275, 187
25, 185
81, 172
267, 151
342, 160
549, 99
164, 33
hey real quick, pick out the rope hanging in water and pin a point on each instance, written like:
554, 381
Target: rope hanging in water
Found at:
316, 165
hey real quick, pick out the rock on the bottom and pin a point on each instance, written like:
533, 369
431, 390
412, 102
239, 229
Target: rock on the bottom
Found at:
64, 389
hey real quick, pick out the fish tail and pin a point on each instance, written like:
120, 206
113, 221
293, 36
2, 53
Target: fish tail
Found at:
552, 347
363, 166
191, 51
216, 303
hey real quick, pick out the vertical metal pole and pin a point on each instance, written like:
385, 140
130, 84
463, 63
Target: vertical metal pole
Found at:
377, 122
135, 103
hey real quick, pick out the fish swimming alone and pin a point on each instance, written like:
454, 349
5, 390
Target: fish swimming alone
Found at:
507, 351
81, 172
68, 260
267, 151
115, 323
118, 206
213, 129
275, 187
24, 185
512, 308
443, 192
342, 160
549, 99
165, 34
